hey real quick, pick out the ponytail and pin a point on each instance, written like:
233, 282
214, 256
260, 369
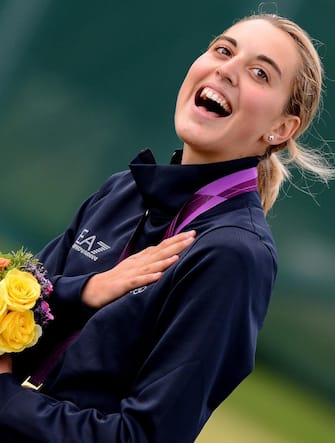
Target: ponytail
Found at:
273, 170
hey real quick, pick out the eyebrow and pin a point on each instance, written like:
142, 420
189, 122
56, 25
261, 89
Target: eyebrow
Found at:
271, 62
261, 57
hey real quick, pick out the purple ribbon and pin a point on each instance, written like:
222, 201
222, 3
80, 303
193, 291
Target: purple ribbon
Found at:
210, 195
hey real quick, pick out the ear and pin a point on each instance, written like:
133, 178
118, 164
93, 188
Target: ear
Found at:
286, 129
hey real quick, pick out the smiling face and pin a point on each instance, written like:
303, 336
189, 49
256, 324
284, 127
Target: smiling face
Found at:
234, 95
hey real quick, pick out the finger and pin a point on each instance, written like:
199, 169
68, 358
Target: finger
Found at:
167, 249
160, 265
176, 239
141, 280
155, 266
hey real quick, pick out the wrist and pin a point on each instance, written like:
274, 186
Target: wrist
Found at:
88, 294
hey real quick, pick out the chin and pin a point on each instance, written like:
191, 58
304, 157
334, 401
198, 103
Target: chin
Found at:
190, 133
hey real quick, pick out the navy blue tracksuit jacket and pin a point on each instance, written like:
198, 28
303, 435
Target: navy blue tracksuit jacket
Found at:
151, 366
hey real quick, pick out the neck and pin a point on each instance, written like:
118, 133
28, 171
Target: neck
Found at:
193, 157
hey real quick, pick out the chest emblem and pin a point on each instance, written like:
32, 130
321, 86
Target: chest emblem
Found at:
89, 245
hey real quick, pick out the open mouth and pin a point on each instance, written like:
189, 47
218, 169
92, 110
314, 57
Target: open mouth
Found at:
213, 102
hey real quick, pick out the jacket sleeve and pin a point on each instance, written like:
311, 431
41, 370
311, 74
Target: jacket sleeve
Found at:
67, 289
202, 347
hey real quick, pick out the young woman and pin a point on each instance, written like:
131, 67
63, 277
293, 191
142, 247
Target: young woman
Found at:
157, 342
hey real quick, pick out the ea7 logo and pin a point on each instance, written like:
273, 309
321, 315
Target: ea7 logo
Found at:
89, 245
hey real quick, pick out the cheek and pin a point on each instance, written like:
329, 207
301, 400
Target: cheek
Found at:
185, 93
261, 106
197, 71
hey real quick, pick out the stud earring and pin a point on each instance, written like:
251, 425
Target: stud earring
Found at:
271, 138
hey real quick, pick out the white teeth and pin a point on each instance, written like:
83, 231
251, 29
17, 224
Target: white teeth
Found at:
212, 95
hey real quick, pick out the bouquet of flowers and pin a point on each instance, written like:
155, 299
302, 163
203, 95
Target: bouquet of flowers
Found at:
24, 310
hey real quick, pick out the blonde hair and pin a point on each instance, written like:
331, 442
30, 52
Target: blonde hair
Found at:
304, 102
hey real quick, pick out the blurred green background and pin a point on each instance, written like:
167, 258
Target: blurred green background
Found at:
83, 86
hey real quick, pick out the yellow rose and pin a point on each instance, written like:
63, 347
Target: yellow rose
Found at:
3, 307
19, 331
20, 289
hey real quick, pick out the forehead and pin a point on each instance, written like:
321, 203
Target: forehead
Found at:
260, 37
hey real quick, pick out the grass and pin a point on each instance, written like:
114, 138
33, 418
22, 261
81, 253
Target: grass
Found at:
269, 409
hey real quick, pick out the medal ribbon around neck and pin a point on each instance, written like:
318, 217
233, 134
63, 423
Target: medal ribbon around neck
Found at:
213, 194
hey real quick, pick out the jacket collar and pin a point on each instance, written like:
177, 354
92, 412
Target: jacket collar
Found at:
165, 188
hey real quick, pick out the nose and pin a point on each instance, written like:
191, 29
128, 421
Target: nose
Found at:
228, 71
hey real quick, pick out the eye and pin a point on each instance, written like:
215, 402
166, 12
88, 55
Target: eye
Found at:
223, 51
259, 72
